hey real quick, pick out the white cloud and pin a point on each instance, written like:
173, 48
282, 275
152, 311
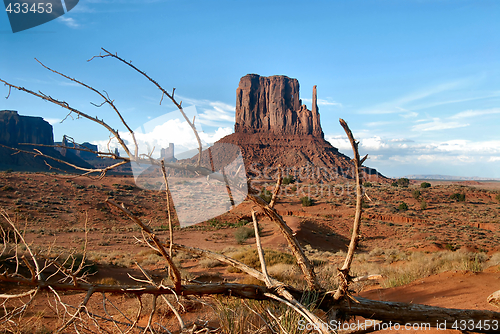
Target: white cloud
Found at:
374, 143
398, 105
338, 141
212, 113
156, 137
378, 123
324, 102
409, 114
211, 138
69, 21
52, 121
401, 140
444, 102
475, 113
437, 124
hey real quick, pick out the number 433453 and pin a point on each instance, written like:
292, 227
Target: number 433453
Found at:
25, 8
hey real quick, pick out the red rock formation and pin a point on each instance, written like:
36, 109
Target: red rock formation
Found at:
272, 105
274, 128
16, 129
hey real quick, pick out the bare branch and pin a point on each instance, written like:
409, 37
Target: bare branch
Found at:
175, 274
344, 271
76, 111
167, 194
164, 92
82, 306
302, 260
106, 100
88, 171
174, 310
260, 251
276, 188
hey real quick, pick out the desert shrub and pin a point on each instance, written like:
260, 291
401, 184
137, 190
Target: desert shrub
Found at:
403, 182
458, 197
415, 193
7, 188
288, 179
425, 185
237, 316
266, 195
243, 233
420, 265
293, 188
376, 251
365, 205
10, 170
367, 184
306, 201
403, 206
209, 263
394, 184
423, 205
497, 197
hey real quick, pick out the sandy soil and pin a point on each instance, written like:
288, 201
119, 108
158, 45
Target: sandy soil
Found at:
55, 209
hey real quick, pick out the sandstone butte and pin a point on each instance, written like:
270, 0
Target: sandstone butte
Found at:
274, 128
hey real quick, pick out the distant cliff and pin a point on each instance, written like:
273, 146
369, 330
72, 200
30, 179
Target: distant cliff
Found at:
16, 129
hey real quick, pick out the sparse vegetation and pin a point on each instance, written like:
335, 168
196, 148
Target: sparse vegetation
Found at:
289, 179
425, 185
459, 197
7, 188
367, 184
307, 201
250, 257
266, 195
420, 265
243, 233
416, 193
403, 182
403, 206
423, 204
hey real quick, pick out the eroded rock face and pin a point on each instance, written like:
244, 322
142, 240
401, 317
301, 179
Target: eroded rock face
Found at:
272, 105
15, 129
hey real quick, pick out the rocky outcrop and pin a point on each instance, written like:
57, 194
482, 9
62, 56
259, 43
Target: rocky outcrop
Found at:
272, 105
273, 128
16, 129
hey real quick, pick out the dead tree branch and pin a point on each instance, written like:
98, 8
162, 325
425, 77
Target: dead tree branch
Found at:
164, 92
175, 274
106, 100
344, 271
302, 260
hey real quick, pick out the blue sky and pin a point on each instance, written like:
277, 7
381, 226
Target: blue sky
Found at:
417, 81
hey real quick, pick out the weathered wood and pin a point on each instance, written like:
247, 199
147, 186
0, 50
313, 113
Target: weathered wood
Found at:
302, 260
494, 299
388, 312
